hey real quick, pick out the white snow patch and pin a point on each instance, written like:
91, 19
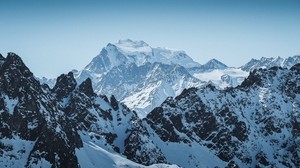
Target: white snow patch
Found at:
10, 104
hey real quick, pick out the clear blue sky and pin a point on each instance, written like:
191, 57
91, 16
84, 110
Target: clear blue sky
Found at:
54, 37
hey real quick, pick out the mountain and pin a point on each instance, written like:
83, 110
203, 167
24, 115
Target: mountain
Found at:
66, 126
222, 76
141, 76
128, 70
253, 125
219, 74
214, 64
138, 52
270, 62
138, 75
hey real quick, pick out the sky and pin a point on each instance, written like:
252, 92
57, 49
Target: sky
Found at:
54, 37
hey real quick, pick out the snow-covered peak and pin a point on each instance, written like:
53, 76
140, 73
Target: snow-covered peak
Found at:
129, 42
291, 61
211, 65
137, 52
130, 46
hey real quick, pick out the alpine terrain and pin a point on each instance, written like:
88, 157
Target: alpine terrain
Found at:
138, 75
256, 124
66, 126
142, 77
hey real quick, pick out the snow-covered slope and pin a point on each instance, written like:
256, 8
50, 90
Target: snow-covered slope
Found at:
144, 87
93, 156
222, 78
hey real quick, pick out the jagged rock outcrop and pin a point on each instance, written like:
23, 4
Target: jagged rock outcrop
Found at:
29, 113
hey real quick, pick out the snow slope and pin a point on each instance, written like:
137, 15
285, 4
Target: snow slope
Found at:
144, 87
93, 156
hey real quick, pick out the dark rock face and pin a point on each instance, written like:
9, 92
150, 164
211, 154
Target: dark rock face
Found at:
65, 84
15, 75
87, 88
296, 68
31, 114
198, 124
166, 131
58, 150
252, 79
2, 59
114, 102
137, 138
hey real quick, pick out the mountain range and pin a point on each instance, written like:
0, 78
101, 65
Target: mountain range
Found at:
142, 77
255, 124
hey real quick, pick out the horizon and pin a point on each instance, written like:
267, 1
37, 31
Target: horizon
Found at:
55, 37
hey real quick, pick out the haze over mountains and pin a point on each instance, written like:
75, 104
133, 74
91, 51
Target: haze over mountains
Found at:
142, 77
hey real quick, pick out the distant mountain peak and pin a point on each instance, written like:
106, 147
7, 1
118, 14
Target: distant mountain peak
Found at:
138, 52
215, 64
211, 65
265, 62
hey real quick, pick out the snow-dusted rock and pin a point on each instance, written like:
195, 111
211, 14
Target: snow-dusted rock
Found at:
253, 125
63, 126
